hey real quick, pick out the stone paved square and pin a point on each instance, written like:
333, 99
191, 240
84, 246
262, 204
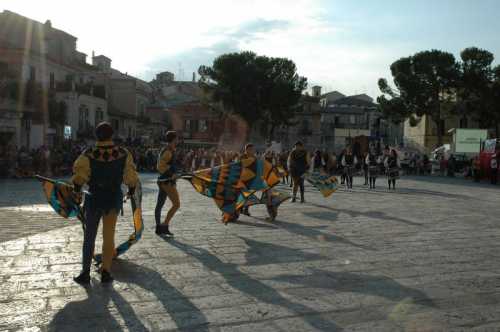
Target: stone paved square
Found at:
422, 258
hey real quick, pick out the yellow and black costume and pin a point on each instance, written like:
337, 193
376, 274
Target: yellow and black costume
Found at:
166, 188
104, 168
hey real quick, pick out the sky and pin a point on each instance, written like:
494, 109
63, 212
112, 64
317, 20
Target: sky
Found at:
340, 45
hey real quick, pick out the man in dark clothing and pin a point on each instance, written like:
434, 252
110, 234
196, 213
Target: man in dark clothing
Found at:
298, 163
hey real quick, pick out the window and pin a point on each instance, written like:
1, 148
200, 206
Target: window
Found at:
352, 119
203, 126
99, 116
187, 125
83, 117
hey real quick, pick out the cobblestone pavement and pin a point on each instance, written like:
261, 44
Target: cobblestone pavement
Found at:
423, 258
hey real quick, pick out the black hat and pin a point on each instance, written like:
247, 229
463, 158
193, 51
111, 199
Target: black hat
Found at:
104, 131
298, 143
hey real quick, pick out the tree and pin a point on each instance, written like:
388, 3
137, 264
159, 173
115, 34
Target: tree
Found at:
475, 83
495, 94
282, 94
477, 88
393, 109
426, 85
254, 87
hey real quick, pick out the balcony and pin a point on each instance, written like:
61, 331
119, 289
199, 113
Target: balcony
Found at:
98, 91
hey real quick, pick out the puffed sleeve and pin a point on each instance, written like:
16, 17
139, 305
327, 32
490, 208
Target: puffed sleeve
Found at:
130, 176
81, 171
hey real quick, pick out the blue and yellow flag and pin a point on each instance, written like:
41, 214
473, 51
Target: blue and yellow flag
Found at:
230, 185
60, 197
326, 184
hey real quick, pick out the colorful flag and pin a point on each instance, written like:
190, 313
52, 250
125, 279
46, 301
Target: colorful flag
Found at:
230, 185
326, 184
60, 197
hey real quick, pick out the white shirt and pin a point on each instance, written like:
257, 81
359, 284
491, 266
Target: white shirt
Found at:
493, 163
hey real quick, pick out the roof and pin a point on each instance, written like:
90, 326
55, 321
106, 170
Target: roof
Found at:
332, 93
352, 101
47, 24
100, 56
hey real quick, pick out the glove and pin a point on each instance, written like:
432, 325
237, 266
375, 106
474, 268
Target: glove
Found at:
130, 192
77, 193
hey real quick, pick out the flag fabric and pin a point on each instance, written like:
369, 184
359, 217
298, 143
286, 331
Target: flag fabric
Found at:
230, 185
326, 184
277, 197
60, 197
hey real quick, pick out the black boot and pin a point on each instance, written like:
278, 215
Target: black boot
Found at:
162, 229
83, 279
302, 200
106, 277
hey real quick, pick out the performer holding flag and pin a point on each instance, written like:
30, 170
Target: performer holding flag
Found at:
298, 163
167, 184
104, 168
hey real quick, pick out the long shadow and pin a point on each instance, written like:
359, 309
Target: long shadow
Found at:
370, 214
263, 253
322, 215
411, 191
315, 233
182, 311
381, 286
456, 181
92, 314
254, 288
253, 224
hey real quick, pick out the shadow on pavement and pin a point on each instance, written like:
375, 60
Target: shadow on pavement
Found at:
456, 181
263, 253
254, 288
410, 191
381, 286
182, 311
322, 215
369, 214
254, 224
314, 233
92, 314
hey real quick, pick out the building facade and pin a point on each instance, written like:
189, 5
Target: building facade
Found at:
44, 65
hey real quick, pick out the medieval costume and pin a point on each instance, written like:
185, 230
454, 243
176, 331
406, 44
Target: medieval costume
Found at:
349, 162
167, 185
104, 168
298, 163
282, 162
372, 164
392, 166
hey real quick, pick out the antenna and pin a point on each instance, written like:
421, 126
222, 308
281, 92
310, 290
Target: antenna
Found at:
181, 72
